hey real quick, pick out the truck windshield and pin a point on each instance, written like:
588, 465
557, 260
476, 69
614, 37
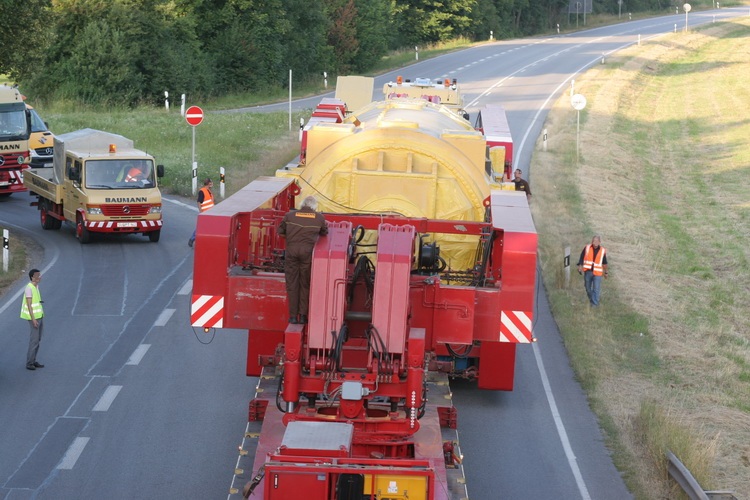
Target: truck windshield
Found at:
13, 126
37, 124
119, 174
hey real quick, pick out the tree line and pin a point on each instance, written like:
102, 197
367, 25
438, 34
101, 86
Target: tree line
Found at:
127, 52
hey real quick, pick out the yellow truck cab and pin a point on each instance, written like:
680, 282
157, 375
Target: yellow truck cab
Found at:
101, 183
41, 141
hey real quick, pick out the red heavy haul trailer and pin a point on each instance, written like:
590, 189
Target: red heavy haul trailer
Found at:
427, 273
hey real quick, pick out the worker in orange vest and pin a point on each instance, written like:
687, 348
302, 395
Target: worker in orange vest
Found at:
205, 201
593, 265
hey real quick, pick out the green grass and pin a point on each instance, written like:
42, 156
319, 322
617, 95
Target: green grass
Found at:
665, 360
17, 259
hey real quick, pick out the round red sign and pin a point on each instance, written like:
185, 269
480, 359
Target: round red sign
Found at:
194, 115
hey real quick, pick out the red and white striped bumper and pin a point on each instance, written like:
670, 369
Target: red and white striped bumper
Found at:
110, 226
207, 311
515, 327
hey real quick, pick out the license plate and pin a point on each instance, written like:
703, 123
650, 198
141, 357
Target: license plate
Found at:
127, 224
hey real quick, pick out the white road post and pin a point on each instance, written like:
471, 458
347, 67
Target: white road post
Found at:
6, 249
166, 100
416, 52
182, 106
566, 266
491, 35
222, 182
325, 79
544, 140
301, 128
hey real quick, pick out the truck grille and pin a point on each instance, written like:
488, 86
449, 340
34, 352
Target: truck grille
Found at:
126, 210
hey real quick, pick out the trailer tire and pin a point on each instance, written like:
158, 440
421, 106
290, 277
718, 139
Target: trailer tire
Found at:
153, 236
48, 222
83, 234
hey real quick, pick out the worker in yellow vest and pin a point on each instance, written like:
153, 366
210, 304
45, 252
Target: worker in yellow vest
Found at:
205, 201
31, 310
593, 265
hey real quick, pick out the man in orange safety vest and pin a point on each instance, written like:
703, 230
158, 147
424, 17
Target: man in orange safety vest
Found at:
593, 265
205, 201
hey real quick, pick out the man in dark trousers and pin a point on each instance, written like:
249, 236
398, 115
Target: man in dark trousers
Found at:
301, 229
593, 265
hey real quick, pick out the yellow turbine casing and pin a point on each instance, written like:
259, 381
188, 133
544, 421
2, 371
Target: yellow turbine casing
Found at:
407, 157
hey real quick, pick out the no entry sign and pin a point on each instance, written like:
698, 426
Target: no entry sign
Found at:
194, 115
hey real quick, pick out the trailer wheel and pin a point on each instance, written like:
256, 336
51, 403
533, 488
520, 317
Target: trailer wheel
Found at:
83, 234
153, 236
48, 222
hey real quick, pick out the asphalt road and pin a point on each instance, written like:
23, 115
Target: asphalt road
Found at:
132, 404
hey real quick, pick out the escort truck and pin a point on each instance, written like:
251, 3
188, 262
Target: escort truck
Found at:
100, 183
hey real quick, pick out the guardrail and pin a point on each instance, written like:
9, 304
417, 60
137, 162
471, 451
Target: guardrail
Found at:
689, 484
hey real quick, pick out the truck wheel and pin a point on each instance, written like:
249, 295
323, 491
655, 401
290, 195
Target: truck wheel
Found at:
48, 222
153, 236
83, 234
44, 217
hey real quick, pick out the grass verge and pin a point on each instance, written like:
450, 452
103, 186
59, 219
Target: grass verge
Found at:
662, 176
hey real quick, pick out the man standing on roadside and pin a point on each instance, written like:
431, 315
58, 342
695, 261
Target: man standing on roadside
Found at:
301, 229
205, 201
31, 310
593, 265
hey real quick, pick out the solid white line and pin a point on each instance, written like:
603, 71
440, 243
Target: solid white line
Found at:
74, 451
107, 398
138, 354
186, 288
164, 317
559, 425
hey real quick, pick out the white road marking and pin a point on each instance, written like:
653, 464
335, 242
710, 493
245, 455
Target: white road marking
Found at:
186, 288
138, 354
164, 317
74, 451
107, 398
572, 462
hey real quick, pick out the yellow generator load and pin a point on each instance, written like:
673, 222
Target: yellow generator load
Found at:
408, 157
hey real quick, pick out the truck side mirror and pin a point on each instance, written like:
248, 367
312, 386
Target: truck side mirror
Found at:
160, 170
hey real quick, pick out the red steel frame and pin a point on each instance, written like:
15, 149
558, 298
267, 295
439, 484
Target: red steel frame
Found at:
353, 349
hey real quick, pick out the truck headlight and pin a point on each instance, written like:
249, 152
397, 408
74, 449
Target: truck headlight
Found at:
94, 210
155, 209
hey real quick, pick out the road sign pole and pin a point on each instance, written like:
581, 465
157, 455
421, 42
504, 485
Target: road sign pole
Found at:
194, 117
195, 167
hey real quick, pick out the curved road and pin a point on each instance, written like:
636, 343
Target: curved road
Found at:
131, 404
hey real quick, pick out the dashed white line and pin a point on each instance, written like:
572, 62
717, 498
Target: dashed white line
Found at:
186, 288
164, 317
138, 354
74, 451
107, 398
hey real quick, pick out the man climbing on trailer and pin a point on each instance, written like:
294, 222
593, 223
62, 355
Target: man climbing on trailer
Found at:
301, 229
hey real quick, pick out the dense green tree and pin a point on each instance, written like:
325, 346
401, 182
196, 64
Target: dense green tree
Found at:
306, 45
373, 32
24, 33
430, 21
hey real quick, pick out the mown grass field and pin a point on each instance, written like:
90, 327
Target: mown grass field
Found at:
663, 177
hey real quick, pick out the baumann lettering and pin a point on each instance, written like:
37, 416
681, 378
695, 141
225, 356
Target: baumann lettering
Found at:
10, 147
125, 200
